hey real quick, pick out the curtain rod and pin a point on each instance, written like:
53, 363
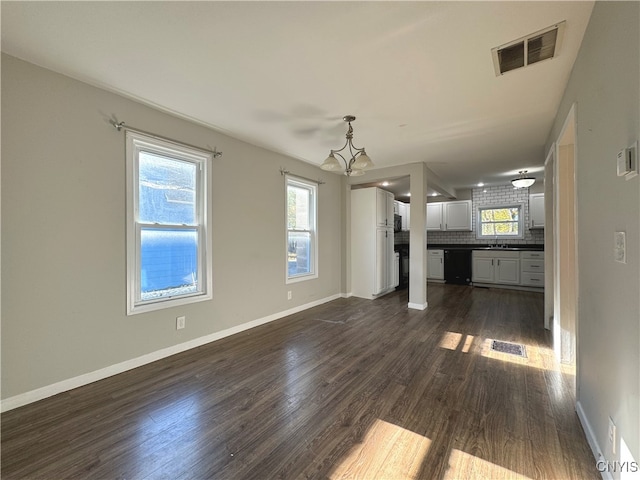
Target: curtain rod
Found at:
120, 126
287, 172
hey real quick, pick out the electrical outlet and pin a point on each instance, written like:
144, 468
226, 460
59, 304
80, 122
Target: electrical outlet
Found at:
289, 296
612, 435
180, 322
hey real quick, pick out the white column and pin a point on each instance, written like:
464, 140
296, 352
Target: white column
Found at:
418, 238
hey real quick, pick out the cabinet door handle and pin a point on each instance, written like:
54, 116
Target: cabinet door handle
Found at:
498, 262
492, 262
440, 260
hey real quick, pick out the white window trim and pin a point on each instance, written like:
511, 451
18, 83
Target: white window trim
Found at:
135, 143
292, 179
521, 223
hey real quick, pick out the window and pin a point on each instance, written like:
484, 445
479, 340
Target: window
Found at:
501, 221
168, 245
302, 243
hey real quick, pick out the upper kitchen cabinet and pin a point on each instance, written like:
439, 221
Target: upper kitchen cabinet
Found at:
404, 210
449, 216
434, 217
536, 210
406, 218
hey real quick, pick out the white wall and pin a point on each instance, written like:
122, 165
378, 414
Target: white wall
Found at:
63, 226
605, 84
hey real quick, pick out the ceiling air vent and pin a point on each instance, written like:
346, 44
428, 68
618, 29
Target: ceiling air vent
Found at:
527, 50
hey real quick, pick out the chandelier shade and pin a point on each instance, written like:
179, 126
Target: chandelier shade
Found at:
363, 161
356, 160
523, 181
331, 164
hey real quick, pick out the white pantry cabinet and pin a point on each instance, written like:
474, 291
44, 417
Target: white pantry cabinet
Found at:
384, 207
372, 255
449, 216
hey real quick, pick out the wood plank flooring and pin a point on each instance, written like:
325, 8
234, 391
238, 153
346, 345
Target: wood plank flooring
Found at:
350, 389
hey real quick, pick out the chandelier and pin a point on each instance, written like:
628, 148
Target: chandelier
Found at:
358, 159
523, 181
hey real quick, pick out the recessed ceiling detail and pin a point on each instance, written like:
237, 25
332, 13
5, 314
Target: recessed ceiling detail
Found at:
533, 48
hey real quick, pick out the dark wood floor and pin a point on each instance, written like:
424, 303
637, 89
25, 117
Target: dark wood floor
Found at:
353, 388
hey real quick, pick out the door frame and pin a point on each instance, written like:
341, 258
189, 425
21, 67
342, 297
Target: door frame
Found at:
566, 285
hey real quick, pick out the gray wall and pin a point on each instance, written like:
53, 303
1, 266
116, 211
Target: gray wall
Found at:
63, 229
496, 195
605, 84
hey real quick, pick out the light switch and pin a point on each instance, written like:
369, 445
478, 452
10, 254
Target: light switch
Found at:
619, 247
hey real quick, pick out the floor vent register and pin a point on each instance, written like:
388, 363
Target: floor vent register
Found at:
510, 348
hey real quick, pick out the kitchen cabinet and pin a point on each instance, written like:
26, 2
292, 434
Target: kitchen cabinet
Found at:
372, 255
406, 219
532, 269
536, 210
435, 264
384, 207
404, 210
491, 266
434, 217
396, 269
449, 216
457, 215
385, 261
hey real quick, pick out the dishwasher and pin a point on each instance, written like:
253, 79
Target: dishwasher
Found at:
457, 266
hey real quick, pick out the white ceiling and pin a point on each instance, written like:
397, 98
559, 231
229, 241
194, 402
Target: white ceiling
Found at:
418, 75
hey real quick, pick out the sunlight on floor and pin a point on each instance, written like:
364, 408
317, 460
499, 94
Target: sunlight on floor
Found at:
387, 451
453, 341
537, 356
463, 465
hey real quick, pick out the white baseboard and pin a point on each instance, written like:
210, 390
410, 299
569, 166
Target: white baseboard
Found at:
418, 306
591, 439
75, 382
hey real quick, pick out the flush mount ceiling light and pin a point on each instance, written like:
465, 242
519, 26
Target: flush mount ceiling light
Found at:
523, 181
358, 159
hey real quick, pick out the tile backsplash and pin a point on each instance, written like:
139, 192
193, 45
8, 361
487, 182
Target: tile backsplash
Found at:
493, 196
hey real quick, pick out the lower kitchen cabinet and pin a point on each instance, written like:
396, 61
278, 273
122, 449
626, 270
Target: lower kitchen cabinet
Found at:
532, 269
490, 266
435, 264
508, 268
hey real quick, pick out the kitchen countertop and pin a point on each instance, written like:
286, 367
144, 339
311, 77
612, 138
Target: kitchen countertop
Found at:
480, 246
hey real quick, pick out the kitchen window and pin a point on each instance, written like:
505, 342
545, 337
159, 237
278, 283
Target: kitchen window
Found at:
500, 222
168, 242
302, 238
